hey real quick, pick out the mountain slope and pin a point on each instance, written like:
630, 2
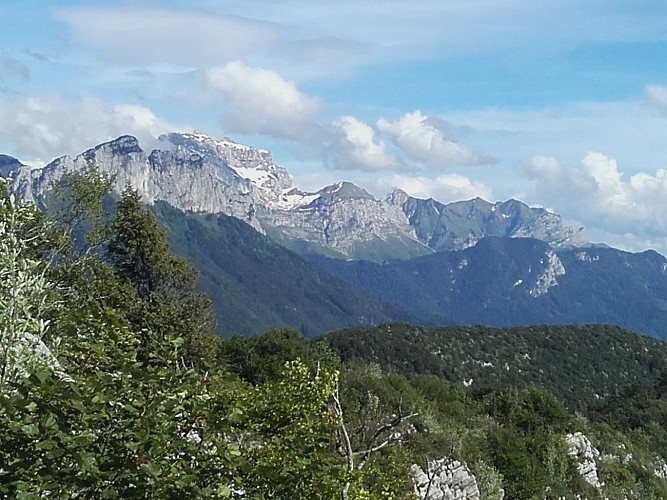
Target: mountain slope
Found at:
579, 364
520, 281
255, 283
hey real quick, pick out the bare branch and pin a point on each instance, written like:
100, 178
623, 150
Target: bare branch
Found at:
371, 448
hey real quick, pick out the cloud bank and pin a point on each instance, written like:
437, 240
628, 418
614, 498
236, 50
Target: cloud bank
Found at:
41, 128
598, 194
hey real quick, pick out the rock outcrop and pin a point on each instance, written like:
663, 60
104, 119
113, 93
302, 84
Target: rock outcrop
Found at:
462, 224
586, 455
444, 479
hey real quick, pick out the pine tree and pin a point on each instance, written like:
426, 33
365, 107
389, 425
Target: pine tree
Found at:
169, 311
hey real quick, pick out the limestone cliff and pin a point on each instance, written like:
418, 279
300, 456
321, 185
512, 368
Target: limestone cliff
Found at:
194, 172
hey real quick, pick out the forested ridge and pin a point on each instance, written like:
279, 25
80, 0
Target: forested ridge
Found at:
578, 363
114, 385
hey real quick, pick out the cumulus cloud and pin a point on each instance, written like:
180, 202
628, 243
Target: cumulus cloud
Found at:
445, 188
602, 197
261, 101
353, 146
423, 140
38, 129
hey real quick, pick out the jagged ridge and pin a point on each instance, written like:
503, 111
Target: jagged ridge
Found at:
194, 172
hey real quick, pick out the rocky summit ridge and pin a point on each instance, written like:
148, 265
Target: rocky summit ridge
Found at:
194, 172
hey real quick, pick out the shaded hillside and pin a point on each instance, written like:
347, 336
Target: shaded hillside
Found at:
521, 281
255, 284
577, 363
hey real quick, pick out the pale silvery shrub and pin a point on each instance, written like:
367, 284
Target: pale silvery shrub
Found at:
25, 291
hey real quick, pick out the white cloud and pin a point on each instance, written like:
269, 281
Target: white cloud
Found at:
261, 101
141, 34
40, 128
353, 146
563, 180
604, 172
623, 208
444, 188
192, 37
325, 38
424, 141
422, 28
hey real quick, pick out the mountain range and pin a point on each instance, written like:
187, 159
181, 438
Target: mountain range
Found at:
506, 282
195, 173
272, 255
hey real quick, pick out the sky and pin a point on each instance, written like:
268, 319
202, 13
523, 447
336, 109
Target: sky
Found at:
560, 104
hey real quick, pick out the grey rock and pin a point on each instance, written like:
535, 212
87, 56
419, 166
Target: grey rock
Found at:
462, 224
8, 164
345, 218
580, 447
444, 479
194, 172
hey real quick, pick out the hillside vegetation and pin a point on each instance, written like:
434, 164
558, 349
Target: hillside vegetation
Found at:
113, 385
255, 284
578, 364
521, 281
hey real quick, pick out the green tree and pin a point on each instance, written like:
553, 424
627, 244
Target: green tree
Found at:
287, 434
261, 358
95, 423
170, 312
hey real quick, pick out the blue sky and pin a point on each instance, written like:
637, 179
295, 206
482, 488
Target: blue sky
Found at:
561, 104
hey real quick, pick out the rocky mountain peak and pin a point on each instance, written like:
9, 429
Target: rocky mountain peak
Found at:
397, 197
123, 145
343, 191
255, 166
195, 172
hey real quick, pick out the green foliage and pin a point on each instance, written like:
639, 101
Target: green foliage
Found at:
576, 363
136, 435
124, 392
169, 312
287, 436
78, 204
261, 358
530, 410
25, 289
528, 445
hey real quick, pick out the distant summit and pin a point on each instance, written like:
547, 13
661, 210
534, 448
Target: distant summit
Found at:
194, 172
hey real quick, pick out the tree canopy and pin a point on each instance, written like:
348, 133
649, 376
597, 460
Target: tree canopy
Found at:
112, 385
